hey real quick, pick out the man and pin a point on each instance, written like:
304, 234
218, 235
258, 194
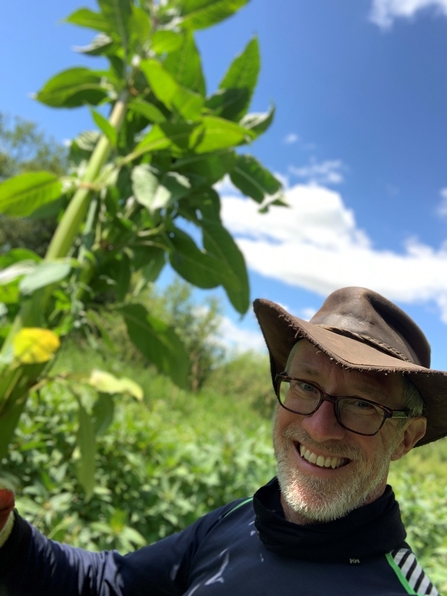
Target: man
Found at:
355, 392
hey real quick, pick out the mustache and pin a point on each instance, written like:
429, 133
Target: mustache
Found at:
334, 448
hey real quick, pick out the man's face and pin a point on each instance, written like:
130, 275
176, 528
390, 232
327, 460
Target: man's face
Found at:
324, 470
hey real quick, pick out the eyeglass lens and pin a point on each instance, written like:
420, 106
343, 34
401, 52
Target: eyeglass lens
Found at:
353, 413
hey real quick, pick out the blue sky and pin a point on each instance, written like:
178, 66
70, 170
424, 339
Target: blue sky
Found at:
359, 138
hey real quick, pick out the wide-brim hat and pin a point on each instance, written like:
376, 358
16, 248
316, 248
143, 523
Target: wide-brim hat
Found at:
362, 331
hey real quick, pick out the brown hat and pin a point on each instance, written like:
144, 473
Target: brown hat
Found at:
361, 330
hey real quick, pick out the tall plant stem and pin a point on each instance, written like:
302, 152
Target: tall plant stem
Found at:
31, 310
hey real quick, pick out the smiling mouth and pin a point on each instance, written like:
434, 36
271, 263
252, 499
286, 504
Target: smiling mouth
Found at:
320, 460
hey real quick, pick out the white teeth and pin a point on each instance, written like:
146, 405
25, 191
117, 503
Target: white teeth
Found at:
320, 460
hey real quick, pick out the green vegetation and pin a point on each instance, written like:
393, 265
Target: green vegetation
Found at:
133, 190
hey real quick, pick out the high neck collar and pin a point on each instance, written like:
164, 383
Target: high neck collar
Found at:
368, 531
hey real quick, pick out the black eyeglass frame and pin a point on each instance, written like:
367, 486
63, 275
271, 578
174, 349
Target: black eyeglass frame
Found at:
388, 413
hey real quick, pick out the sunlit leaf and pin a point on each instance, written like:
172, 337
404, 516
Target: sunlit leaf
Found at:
33, 345
148, 110
258, 123
84, 17
216, 133
242, 74
199, 14
185, 65
44, 274
73, 88
105, 382
117, 14
165, 41
22, 195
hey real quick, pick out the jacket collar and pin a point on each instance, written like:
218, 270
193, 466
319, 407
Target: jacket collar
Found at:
368, 531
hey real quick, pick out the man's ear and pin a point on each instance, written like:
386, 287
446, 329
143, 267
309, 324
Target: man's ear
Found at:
413, 431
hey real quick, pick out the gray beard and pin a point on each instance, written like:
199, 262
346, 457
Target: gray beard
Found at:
322, 500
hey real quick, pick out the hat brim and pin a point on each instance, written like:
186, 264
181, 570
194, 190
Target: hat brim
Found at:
281, 331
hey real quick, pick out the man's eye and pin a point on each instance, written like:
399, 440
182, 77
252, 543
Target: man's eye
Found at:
306, 387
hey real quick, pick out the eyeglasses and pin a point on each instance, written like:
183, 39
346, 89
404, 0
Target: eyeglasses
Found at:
358, 415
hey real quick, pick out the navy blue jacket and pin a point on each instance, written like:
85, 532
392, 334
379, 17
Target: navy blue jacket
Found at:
244, 548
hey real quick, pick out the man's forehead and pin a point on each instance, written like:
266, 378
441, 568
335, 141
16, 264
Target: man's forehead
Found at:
309, 359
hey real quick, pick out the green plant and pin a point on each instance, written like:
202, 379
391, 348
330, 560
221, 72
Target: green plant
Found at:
132, 185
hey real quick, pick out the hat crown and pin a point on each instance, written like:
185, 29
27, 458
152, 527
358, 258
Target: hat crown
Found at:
369, 317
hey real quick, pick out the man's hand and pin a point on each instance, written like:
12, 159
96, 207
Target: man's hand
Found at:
6, 515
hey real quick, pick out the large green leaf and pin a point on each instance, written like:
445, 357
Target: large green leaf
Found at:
214, 134
84, 17
117, 14
166, 41
85, 440
207, 169
169, 92
185, 65
199, 14
73, 88
148, 110
196, 266
22, 195
174, 135
157, 194
44, 274
158, 342
252, 179
242, 74
217, 241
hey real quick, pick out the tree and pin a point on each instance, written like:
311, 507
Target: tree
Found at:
149, 168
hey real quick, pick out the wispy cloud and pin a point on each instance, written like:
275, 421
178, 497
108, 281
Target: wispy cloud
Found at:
317, 245
291, 138
320, 173
384, 12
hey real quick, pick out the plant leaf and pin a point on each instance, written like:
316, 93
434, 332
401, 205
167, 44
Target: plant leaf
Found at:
85, 440
103, 412
102, 44
218, 241
194, 265
243, 75
148, 110
105, 382
73, 88
258, 123
33, 345
199, 14
44, 274
207, 169
117, 14
158, 342
252, 179
169, 92
102, 123
185, 65
84, 17
214, 134
22, 195
165, 41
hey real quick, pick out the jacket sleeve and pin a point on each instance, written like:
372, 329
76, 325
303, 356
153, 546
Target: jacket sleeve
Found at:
32, 565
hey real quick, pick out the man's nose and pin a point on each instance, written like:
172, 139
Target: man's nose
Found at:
323, 425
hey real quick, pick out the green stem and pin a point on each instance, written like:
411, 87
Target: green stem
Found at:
31, 310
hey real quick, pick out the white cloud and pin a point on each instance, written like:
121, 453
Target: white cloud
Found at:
317, 245
320, 173
291, 138
384, 12
241, 340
